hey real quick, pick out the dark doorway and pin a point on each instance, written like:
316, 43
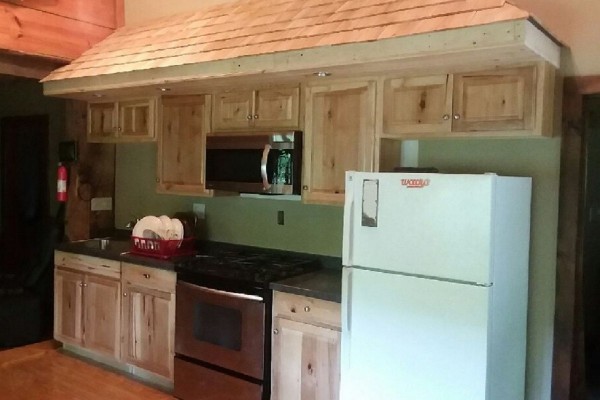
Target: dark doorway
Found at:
591, 245
24, 195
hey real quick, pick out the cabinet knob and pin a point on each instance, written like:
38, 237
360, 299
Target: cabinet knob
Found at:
248, 117
119, 129
306, 309
305, 187
255, 116
457, 116
80, 284
446, 117
275, 331
147, 276
124, 294
85, 285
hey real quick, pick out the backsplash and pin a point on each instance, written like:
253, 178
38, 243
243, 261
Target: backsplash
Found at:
307, 228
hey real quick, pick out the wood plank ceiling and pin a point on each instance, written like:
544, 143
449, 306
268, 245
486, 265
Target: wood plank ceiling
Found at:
251, 28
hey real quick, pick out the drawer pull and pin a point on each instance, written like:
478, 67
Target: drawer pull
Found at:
306, 309
147, 276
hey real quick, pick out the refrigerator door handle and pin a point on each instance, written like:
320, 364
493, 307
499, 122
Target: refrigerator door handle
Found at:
348, 220
347, 305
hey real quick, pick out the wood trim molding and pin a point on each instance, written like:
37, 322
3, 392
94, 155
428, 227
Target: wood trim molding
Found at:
26, 67
568, 368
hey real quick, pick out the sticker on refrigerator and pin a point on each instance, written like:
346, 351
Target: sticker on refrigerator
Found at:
370, 202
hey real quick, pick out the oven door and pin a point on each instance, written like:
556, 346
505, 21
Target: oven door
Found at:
221, 328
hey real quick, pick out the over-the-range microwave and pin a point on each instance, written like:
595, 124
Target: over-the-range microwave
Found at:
268, 163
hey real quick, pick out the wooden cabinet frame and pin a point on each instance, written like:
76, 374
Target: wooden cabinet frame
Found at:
123, 120
87, 302
184, 122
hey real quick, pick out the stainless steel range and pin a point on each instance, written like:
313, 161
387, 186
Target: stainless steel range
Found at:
223, 321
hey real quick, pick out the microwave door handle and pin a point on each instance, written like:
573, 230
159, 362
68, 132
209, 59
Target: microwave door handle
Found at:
263, 167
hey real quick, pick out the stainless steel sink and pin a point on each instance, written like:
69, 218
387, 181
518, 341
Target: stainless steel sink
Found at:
107, 244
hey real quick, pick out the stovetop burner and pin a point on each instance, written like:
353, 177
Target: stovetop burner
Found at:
246, 265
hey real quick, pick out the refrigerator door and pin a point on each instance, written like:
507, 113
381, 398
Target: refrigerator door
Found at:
412, 338
432, 225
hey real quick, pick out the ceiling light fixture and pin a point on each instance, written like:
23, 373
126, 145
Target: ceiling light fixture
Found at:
164, 89
98, 95
322, 74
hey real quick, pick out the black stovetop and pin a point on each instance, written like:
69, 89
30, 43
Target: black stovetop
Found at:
244, 265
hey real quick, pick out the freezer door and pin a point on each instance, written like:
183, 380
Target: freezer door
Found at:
412, 338
423, 224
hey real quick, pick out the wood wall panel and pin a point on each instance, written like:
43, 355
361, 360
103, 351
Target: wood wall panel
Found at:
26, 67
93, 175
98, 12
38, 33
568, 381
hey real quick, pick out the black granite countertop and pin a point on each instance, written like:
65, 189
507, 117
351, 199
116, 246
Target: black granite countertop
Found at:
116, 249
325, 284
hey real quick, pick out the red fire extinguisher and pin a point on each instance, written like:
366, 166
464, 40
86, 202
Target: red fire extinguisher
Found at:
61, 183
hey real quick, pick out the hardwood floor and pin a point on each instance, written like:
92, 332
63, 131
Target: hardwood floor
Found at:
41, 371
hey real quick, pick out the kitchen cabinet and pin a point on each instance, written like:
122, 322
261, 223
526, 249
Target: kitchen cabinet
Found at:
261, 109
121, 121
340, 132
87, 302
148, 318
184, 124
503, 102
306, 348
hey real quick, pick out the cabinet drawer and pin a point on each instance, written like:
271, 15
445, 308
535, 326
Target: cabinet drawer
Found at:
153, 278
95, 265
307, 309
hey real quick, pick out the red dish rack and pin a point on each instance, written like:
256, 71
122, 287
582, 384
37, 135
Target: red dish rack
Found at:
163, 249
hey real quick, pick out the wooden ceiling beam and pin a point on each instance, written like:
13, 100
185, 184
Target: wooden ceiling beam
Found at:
26, 67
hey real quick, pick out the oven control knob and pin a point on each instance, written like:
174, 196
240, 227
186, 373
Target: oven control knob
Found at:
306, 309
275, 331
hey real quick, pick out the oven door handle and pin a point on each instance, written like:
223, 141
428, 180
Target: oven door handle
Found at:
234, 295
263, 167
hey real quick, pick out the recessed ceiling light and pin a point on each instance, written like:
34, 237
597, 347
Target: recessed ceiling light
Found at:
164, 89
322, 74
98, 95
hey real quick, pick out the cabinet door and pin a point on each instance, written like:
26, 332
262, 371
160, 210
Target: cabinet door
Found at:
277, 108
233, 110
148, 323
340, 132
306, 361
417, 105
494, 101
136, 120
102, 121
68, 302
101, 310
181, 144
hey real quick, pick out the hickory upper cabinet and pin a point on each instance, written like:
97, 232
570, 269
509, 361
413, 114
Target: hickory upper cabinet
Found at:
184, 124
502, 102
262, 109
129, 120
339, 137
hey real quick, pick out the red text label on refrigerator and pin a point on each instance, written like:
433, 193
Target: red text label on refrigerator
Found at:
415, 183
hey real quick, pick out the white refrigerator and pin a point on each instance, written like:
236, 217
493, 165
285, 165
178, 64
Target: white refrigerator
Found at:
434, 295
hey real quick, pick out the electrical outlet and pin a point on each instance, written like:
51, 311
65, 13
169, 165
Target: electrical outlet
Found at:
101, 204
199, 210
280, 218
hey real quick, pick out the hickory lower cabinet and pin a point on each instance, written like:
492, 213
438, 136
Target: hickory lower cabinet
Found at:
305, 348
148, 319
87, 302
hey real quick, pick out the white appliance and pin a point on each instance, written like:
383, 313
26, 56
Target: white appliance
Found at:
434, 295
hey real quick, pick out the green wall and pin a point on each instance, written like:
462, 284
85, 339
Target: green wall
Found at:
540, 159
318, 229
24, 97
249, 221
